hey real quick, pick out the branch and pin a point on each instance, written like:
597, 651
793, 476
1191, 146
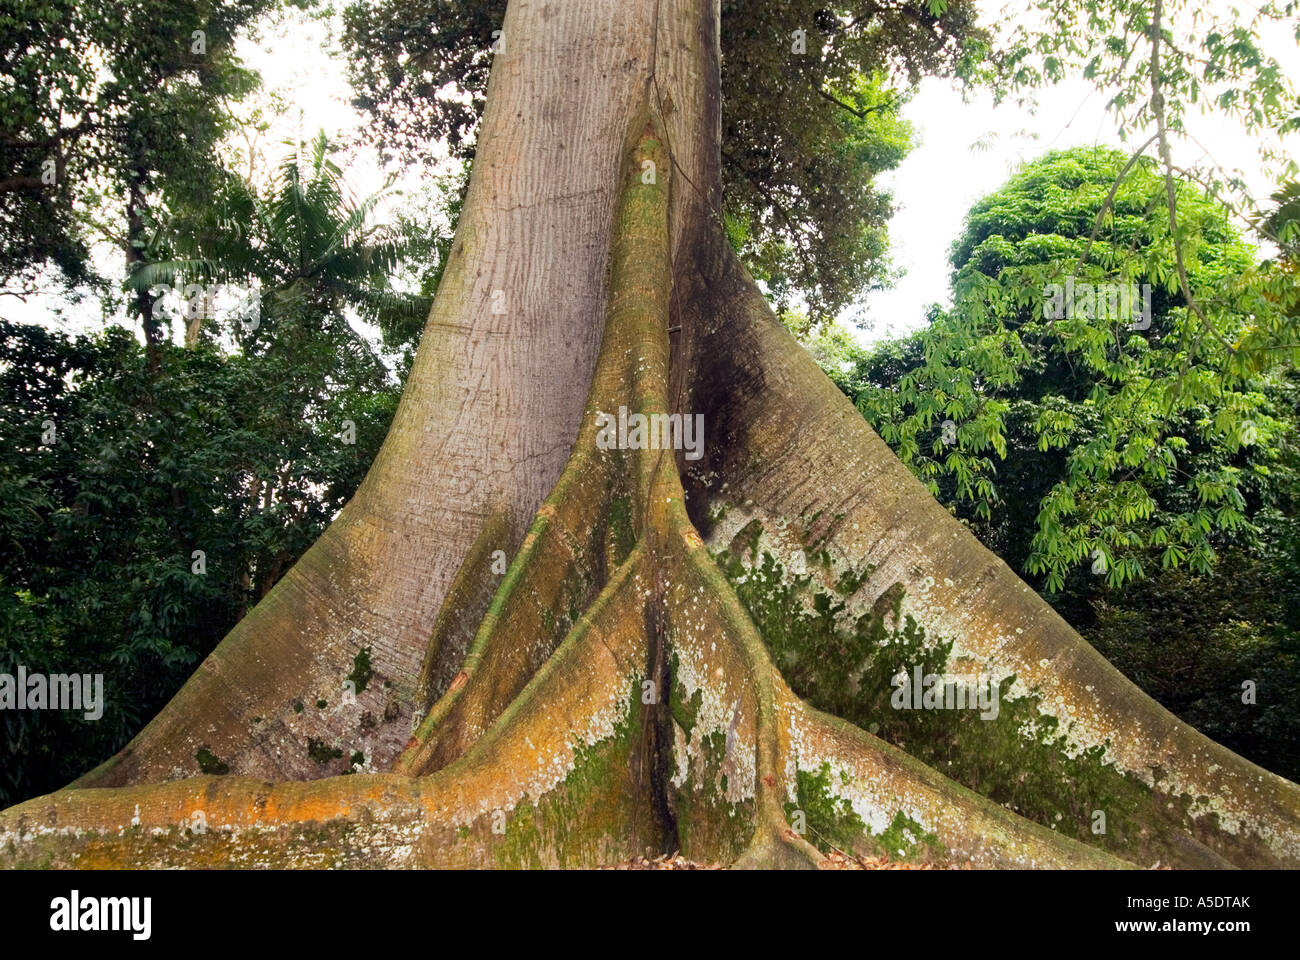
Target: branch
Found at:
1109, 204
786, 218
1162, 133
860, 114
12, 140
22, 185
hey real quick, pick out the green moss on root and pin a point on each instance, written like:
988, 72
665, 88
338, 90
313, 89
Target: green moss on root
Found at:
210, 763
831, 823
587, 819
622, 536
361, 670
322, 752
1021, 759
711, 828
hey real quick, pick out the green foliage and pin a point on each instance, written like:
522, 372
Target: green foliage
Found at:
235, 455
1134, 446
1158, 65
815, 222
243, 445
1192, 641
113, 101
1282, 223
312, 251
1211, 59
402, 57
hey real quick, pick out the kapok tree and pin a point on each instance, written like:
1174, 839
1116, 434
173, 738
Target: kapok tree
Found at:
517, 647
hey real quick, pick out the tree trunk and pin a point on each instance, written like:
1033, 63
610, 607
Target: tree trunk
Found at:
652, 668
155, 333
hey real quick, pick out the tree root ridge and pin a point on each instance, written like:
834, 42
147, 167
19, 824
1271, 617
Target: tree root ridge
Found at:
618, 696
855, 531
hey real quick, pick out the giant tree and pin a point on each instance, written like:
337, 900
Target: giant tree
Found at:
548, 651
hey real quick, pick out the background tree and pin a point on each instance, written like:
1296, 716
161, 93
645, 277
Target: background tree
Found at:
111, 121
1133, 443
1005, 412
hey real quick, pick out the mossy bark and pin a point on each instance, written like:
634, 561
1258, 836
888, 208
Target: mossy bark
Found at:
653, 668
817, 494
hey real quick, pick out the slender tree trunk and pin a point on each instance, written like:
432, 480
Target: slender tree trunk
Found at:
653, 666
154, 332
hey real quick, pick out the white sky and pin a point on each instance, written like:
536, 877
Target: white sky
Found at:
939, 180
933, 187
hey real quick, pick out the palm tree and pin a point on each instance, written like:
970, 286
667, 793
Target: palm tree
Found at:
312, 252
279, 275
